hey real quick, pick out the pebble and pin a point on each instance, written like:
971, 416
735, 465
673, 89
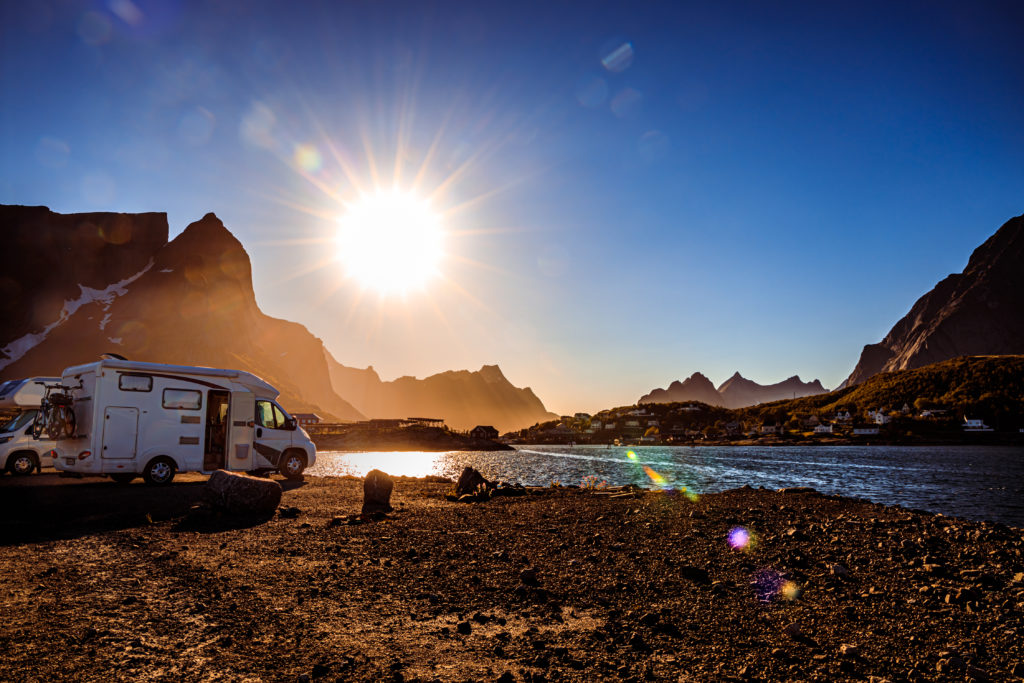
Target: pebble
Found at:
849, 650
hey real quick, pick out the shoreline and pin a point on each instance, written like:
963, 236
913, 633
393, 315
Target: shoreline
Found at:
627, 584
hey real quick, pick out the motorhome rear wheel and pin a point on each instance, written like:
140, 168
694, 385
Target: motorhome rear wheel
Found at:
159, 472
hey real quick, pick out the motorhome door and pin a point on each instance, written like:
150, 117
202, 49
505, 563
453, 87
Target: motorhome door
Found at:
120, 432
243, 409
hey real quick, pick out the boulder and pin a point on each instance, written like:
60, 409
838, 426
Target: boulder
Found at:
239, 494
471, 482
377, 489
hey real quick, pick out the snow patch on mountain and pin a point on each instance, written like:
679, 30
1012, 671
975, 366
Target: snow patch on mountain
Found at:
105, 297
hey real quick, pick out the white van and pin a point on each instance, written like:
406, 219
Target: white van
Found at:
20, 453
154, 420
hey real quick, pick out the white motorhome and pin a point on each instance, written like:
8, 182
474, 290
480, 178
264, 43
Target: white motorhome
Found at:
20, 453
155, 420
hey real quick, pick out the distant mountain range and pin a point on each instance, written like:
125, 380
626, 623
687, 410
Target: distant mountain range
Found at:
456, 395
80, 285
977, 312
735, 392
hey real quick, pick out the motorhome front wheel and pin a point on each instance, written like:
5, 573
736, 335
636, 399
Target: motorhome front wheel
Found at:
22, 463
293, 465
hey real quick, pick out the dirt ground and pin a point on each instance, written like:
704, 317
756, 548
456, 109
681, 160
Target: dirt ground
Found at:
106, 582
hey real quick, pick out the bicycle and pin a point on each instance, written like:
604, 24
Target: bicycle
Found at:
56, 416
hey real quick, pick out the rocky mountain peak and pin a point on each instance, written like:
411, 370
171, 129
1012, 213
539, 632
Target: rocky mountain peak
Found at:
977, 312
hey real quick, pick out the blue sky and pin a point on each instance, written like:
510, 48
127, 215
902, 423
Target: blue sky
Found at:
633, 192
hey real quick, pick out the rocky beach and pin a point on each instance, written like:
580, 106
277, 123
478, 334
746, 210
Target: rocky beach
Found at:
108, 582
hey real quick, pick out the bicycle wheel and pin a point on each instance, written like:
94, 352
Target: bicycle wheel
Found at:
63, 425
39, 425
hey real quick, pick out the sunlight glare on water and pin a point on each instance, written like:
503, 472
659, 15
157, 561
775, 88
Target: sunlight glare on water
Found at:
976, 482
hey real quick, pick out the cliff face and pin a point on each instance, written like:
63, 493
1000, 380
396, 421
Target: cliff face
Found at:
189, 302
977, 312
462, 398
52, 258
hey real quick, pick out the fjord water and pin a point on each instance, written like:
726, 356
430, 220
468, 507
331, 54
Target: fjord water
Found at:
974, 482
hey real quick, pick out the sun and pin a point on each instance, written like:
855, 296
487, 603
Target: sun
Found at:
390, 242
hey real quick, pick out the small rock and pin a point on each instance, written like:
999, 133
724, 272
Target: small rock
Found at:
287, 512
839, 571
529, 576
470, 482
377, 487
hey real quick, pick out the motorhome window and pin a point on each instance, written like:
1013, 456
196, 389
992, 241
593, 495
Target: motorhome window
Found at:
279, 416
19, 421
135, 383
183, 399
265, 415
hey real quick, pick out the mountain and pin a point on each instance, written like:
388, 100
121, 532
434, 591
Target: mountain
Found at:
738, 391
735, 392
462, 398
113, 283
977, 312
696, 387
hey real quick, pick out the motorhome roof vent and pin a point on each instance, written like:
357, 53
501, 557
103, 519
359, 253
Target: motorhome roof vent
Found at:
112, 356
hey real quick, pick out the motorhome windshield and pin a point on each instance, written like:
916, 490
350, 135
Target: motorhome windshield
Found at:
18, 421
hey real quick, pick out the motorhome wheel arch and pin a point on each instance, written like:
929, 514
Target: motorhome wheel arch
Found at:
154, 420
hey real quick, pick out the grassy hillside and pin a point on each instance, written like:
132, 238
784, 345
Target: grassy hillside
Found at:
987, 387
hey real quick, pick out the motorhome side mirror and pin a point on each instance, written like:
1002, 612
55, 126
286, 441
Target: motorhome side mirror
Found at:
290, 424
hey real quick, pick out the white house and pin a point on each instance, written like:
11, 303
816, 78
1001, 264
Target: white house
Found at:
823, 429
976, 426
843, 416
770, 429
881, 418
632, 423
609, 425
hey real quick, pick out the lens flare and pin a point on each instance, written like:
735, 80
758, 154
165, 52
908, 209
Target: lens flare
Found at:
631, 455
769, 584
739, 538
790, 591
307, 157
655, 477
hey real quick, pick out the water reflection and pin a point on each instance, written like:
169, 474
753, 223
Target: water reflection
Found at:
966, 481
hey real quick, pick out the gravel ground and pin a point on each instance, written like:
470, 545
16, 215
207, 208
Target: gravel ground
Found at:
106, 582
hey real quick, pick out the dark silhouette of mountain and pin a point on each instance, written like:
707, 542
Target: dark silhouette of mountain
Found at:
462, 398
735, 392
696, 387
189, 302
977, 312
738, 391
51, 257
